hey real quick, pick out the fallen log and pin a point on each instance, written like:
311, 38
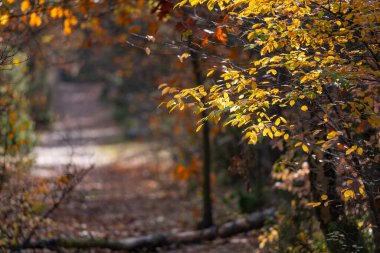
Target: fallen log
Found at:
253, 221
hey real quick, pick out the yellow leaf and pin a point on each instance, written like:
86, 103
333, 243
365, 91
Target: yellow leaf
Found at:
183, 56
67, 30
286, 136
348, 194
25, 5
352, 149
268, 132
4, 19
57, 12
165, 90
278, 134
361, 191
324, 197
305, 148
199, 128
35, 20
73, 21
298, 144
359, 151
210, 4
170, 103
252, 138
210, 72
303, 79
304, 108
277, 122
276, 58
162, 85
264, 50
331, 135
292, 102
314, 204
272, 71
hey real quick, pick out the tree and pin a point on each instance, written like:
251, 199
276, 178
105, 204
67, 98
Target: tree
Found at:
312, 84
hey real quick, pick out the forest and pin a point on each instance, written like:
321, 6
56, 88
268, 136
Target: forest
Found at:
200, 126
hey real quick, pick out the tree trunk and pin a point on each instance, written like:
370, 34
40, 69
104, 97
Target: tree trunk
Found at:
207, 219
370, 177
341, 234
150, 242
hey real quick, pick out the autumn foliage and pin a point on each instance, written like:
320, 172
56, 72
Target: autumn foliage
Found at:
311, 85
299, 76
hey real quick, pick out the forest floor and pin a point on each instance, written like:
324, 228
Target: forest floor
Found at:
130, 191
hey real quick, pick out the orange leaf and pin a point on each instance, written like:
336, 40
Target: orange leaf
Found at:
220, 35
204, 41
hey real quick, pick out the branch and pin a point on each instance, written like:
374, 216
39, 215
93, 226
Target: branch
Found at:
255, 220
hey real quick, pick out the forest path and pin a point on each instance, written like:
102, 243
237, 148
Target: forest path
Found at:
130, 191
81, 123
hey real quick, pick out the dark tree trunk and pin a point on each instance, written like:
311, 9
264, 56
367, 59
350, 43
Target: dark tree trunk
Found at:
207, 220
150, 243
371, 180
341, 234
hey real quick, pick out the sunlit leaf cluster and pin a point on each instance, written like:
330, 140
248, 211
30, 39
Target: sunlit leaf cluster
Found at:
313, 57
